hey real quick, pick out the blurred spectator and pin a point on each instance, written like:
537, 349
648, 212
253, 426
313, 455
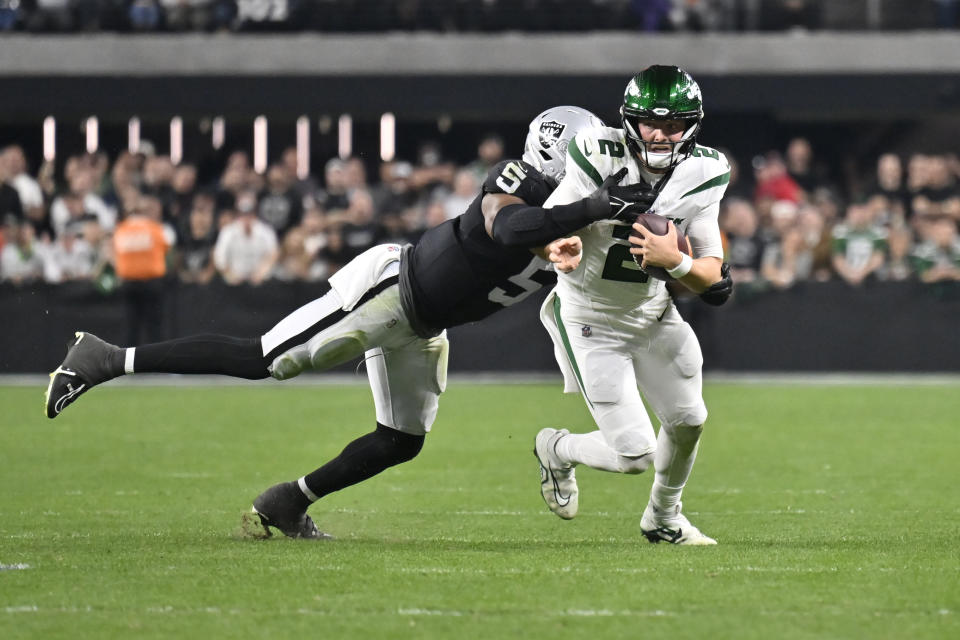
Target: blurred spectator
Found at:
859, 246
464, 15
801, 166
937, 259
306, 187
773, 182
280, 206
432, 171
395, 193
158, 172
889, 183
465, 190
333, 196
10, 206
653, 15
184, 186
80, 177
21, 259
296, 261
817, 241
234, 179
145, 15
140, 246
784, 259
355, 174
28, 189
933, 185
72, 257
900, 246
359, 230
246, 249
197, 239
489, 153
10, 15
744, 248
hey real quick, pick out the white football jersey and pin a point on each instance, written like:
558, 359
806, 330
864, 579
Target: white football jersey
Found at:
607, 277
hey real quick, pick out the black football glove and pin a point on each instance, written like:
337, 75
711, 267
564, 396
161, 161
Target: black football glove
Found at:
720, 291
626, 201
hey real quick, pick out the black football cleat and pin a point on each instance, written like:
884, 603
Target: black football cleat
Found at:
278, 507
88, 363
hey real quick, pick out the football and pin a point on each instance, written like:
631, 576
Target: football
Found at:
658, 225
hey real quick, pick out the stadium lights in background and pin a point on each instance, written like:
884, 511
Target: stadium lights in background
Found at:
388, 137
49, 138
92, 127
345, 136
133, 135
260, 144
176, 140
303, 147
218, 132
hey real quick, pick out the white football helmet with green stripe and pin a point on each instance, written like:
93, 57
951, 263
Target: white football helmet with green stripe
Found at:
549, 135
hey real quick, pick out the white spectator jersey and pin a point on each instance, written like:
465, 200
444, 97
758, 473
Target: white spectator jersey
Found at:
607, 277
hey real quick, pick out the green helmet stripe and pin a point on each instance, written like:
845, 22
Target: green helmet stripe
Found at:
583, 163
709, 184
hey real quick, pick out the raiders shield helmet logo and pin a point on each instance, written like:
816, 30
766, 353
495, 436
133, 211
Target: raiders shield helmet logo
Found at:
550, 131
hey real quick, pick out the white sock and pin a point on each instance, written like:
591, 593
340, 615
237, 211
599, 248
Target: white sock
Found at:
128, 359
590, 449
676, 451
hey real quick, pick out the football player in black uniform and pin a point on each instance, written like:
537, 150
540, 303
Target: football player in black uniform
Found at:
391, 304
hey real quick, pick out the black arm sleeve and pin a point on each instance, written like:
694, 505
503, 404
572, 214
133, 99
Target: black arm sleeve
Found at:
520, 225
719, 292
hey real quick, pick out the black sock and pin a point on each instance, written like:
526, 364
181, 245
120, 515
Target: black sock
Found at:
208, 353
364, 458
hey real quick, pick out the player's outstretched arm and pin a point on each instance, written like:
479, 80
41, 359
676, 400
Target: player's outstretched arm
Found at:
513, 223
564, 253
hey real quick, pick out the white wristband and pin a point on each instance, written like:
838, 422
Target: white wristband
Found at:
682, 269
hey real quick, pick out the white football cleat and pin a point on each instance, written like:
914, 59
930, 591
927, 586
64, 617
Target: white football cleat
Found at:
558, 482
671, 526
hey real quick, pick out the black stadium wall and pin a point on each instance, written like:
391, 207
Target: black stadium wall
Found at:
889, 327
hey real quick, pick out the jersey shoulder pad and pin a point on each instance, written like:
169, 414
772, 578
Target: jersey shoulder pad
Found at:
517, 178
597, 152
706, 171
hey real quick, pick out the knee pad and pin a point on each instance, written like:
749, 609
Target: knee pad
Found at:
684, 432
337, 351
635, 464
688, 417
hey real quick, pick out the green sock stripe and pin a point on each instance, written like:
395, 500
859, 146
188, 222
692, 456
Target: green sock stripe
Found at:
566, 345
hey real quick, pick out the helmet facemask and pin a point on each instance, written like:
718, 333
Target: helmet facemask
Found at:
660, 161
661, 93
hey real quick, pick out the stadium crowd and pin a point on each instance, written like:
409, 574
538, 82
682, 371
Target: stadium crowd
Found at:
785, 220
470, 15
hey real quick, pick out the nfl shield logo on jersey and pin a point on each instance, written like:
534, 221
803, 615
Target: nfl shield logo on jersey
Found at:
586, 331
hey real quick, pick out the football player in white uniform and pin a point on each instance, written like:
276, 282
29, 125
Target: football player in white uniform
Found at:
614, 327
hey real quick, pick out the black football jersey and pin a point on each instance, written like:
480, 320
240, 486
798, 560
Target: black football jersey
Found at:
457, 273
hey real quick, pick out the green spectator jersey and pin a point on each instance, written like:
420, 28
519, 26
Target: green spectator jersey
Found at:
857, 245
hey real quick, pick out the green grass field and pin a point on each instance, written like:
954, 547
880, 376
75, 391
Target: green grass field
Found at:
837, 511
